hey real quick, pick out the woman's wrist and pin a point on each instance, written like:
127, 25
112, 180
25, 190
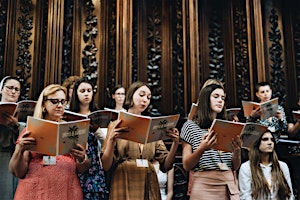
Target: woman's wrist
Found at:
84, 160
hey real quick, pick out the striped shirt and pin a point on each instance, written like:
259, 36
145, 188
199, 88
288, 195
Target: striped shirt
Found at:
192, 134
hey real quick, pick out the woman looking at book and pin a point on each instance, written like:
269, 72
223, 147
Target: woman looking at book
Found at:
69, 84
9, 132
130, 168
93, 182
43, 176
263, 176
213, 170
118, 97
278, 123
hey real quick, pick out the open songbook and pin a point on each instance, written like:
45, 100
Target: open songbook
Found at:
57, 138
99, 118
193, 111
145, 129
231, 112
21, 109
296, 114
227, 130
270, 108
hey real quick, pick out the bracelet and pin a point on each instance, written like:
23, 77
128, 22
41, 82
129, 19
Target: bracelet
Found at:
82, 162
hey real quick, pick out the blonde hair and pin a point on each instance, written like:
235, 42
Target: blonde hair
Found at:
50, 89
212, 81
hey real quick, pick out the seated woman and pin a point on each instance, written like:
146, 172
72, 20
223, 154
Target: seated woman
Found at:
263, 176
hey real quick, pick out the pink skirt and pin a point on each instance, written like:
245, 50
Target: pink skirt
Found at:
216, 185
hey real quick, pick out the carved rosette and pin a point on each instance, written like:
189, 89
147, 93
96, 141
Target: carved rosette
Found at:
276, 51
25, 25
89, 61
154, 58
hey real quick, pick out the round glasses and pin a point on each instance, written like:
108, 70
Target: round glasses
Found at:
12, 88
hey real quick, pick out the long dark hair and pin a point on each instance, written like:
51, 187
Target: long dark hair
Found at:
75, 103
259, 184
204, 115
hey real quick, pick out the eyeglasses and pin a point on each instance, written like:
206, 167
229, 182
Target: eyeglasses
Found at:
120, 94
12, 88
57, 101
266, 139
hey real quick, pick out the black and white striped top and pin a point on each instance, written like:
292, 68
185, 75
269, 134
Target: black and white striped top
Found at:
192, 134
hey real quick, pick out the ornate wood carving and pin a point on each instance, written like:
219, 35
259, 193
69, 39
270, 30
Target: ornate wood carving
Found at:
3, 18
25, 21
276, 51
241, 55
216, 48
135, 43
111, 75
67, 40
89, 61
154, 58
297, 50
178, 60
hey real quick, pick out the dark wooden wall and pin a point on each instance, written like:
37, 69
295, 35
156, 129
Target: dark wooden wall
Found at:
174, 45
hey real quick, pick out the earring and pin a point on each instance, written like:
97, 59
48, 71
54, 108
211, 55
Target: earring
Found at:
44, 110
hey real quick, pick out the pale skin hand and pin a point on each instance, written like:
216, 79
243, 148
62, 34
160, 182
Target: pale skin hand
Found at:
173, 133
256, 113
189, 158
20, 159
8, 120
236, 145
113, 134
116, 132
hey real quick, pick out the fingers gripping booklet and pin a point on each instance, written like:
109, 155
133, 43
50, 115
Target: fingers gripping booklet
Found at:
57, 138
145, 129
22, 109
270, 108
226, 130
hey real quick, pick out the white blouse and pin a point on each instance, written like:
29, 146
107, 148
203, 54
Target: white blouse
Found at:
245, 180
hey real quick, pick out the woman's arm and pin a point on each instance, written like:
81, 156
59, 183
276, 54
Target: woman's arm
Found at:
109, 144
236, 154
82, 161
189, 158
19, 161
170, 183
174, 135
293, 129
286, 173
245, 181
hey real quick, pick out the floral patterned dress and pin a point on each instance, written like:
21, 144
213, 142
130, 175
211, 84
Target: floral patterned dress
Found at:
93, 182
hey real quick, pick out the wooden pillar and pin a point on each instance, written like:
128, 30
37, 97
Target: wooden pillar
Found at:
259, 40
124, 42
54, 42
191, 45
